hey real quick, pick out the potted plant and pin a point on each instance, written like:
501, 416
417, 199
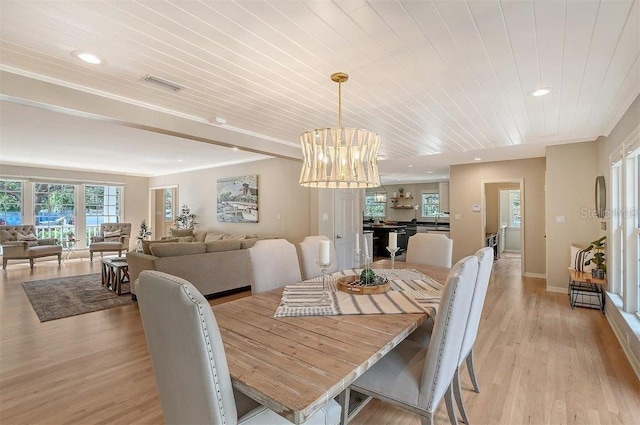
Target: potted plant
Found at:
401, 190
186, 220
69, 234
145, 230
598, 259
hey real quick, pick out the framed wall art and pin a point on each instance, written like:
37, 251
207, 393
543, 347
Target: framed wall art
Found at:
238, 199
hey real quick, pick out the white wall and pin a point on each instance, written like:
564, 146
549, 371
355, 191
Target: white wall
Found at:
466, 184
283, 205
571, 173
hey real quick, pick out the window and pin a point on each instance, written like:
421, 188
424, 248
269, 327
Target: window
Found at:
168, 205
624, 249
103, 205
10, 202
374, 208
431, 205
54, 209
515, 215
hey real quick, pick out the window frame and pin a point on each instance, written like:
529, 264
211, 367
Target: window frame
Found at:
423, 204
5, 191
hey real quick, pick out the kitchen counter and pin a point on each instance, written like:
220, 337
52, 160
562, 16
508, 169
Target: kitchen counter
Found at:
370, 226
381, 237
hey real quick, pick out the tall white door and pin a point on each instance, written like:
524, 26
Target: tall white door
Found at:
348, 222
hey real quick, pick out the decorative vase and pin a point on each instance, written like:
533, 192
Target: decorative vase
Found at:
597, 273
139, 245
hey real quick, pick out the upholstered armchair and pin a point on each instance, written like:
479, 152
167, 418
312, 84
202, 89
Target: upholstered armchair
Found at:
114, 237
20, 243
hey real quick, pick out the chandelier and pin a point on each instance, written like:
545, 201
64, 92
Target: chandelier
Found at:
340, 158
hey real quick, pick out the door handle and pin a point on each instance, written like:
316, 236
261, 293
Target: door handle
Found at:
338, 237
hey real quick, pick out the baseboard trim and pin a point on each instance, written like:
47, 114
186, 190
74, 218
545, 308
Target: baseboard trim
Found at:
635, 363
558, 289
536, 275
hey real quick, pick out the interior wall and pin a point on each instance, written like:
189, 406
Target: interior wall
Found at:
571, 174
136, 203
467, 227
283, 205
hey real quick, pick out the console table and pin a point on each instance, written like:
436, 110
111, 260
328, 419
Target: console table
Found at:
586, 290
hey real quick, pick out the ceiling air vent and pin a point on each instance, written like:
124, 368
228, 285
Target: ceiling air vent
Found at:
162, 83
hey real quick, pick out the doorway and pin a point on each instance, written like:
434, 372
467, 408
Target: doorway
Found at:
162, 210
504, 219
510, 222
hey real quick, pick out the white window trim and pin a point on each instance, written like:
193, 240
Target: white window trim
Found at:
624, 229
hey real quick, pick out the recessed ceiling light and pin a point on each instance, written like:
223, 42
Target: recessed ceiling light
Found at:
429, 172
410, 166
235, 148
221, 120
540, 92
477, 159
87, 57
181, 160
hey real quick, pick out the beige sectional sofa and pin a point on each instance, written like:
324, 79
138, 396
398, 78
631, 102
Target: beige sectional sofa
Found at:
214, 262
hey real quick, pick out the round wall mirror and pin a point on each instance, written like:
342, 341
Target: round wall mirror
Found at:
601, 196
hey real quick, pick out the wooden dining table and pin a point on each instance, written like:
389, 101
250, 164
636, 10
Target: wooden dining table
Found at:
295, 365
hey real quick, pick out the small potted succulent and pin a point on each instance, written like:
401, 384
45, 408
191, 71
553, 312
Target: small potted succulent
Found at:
598, 259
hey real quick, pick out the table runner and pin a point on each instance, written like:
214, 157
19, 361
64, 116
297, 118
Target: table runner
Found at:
411, 292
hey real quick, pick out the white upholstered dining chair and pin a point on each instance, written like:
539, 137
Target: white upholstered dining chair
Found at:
309, 249
430, 249
189, 361
415, 377
274, 263
485, 264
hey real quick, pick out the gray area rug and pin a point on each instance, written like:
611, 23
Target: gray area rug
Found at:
72, 295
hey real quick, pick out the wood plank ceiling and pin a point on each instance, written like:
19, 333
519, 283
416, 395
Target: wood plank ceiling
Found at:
432, 77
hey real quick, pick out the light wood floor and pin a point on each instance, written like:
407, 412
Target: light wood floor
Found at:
539, 362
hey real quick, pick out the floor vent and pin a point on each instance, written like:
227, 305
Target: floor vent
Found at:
162, 83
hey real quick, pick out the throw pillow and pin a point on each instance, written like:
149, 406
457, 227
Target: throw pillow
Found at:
211, 236
226, 237
28, 237
228, 245
181, 233
115, 233
177, 248
146, 245
187, 239
579, 257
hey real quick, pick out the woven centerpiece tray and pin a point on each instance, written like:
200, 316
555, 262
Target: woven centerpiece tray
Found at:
351, 285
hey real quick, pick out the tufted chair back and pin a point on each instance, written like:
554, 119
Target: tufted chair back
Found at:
125, 228
10, 233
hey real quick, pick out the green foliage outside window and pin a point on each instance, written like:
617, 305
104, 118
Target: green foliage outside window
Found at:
372, 208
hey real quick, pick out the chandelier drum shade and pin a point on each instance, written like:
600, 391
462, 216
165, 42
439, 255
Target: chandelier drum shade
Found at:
340, 158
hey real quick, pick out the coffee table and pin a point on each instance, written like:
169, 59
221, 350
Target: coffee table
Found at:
115, 272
